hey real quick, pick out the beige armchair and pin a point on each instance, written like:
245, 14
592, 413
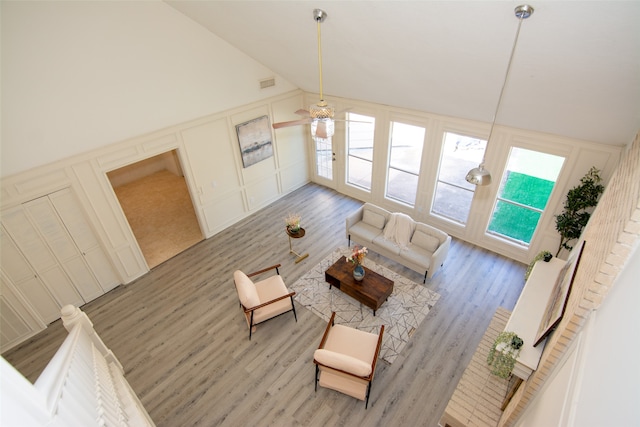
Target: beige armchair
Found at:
346, 360
265, 299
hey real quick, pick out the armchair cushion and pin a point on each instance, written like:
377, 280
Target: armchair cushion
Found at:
246, 289
352, 342
267, 290
342, 362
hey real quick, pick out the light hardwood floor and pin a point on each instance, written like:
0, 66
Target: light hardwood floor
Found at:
183, 341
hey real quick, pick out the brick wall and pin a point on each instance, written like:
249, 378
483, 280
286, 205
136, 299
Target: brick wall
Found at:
611, 234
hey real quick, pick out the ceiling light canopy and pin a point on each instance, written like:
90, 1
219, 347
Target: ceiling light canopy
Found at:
481, 176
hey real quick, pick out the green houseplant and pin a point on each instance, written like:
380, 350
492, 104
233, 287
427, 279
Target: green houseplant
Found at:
503, 354
545, 255
577, 210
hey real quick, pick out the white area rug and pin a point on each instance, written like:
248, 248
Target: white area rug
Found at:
401, 314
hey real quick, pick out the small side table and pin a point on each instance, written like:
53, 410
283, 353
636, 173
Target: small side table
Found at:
297, 235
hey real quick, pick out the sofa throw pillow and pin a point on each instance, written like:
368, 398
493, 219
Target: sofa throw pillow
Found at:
342, 362
372, 218
246, 289
425, 241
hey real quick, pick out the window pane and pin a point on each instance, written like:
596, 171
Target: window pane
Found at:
452, 202
360, 133
453, 193
404, 162
360, 172
324, 158
402, 186
524, 192
514, 221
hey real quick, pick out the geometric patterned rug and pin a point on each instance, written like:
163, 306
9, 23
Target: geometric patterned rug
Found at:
401, 314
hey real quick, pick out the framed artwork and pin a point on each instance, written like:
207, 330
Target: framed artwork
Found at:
254, 138
557, 303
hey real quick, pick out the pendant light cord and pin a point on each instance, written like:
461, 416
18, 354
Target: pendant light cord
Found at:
504, 84
318, 20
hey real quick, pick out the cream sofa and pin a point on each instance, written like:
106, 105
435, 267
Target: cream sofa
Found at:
425, 251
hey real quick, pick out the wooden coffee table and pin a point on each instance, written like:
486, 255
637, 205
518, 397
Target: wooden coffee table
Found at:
372, 291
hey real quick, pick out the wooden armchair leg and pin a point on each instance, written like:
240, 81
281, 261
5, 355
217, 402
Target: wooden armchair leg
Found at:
251, 326
316, 382
294, 310
425, 277
366, 403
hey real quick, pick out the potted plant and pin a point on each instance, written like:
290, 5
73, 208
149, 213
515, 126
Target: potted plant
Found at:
577, 208
292, 222
542, 255
503, 354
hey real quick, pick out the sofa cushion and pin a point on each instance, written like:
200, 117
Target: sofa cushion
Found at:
425, 241
388, 245
373, 218
364, 233
246, 289
342, 362
417, 255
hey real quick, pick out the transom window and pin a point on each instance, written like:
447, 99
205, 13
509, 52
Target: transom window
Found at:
524, 192
404, 162
454, 194
360, 133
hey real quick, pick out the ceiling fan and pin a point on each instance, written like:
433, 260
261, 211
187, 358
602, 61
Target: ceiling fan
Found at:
319, 116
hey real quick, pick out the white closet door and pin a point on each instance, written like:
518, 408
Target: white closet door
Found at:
18, 321
35, 249
70, 211
25, 280
55, 233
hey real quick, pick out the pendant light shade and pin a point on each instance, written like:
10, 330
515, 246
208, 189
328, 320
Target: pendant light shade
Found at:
480, 176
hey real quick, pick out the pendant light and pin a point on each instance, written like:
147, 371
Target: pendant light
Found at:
480, 176
322, 124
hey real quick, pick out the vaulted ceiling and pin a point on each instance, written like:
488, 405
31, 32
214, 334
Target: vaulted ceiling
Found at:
576, 70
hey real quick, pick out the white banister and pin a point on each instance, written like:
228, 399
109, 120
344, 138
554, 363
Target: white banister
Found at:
83, 385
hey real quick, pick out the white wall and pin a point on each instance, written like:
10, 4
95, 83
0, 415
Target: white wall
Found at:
599, 383
80, 75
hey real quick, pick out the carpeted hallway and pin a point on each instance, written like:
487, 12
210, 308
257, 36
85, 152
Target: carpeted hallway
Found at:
161, 215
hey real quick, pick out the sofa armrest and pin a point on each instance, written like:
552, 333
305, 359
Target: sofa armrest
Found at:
353, 219
438, 257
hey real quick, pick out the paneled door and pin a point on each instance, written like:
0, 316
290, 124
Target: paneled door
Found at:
52, 255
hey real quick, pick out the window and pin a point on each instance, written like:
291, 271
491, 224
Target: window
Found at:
360, 131
404, 162
524, 191
453, 193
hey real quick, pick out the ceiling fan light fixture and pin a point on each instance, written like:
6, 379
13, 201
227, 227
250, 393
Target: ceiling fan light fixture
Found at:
480, 176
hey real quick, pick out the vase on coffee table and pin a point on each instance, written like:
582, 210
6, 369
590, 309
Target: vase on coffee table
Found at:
358, 272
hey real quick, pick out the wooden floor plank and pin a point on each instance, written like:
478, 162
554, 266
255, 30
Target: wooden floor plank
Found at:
183, 342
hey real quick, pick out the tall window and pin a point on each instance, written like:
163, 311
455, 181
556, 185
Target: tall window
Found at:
360, 131
453, 193
404, 162
524, 191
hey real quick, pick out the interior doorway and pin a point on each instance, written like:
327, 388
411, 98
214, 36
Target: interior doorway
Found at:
154, 197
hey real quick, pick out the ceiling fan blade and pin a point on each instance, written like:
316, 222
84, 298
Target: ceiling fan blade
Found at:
291, 123
350, 121
302, 112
